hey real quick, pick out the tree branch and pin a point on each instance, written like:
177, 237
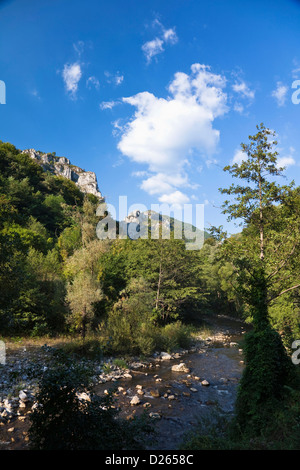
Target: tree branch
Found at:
282, 264
283, 292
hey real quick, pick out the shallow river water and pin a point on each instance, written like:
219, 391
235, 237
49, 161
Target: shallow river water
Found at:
178, 406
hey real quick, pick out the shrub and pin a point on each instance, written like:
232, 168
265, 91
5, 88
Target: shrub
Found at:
176, 335
65, 421
262, 387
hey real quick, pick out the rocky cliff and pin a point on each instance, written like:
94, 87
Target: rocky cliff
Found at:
61, 166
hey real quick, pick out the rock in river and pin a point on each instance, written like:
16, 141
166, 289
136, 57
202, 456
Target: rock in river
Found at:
181, 367
135, 400
205, 383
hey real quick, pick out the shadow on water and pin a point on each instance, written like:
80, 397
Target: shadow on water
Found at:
179, 398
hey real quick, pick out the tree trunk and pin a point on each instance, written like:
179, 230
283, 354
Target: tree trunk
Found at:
84, 321
261, 223
158, 286
159, 279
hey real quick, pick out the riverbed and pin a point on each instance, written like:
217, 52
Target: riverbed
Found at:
178, 400
174, 400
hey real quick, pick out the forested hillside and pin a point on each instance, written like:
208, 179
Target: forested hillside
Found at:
57, 277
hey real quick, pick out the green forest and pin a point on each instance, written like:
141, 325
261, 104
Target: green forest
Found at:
134, 297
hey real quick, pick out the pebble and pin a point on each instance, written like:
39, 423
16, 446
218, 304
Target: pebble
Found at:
171, 397
205, 383
155, 415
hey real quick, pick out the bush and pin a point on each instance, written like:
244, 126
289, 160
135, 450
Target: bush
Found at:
89, 348
262, 387
176, 335
125, 336
65, 421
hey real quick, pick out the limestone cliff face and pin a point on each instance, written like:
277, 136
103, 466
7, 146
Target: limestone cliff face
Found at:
61, 166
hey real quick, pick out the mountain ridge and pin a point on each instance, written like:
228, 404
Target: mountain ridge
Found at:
61, 166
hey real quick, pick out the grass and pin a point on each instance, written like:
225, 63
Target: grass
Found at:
169, 338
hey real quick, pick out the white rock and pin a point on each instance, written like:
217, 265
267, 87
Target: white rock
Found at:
155, 415
127, 376
135, 400
205, 383
181, 367
83, 396
165, 356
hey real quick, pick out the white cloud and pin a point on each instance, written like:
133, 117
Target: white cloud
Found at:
165, 131
239, 108
93, 81
285, 161
115, 79
152, 48
296, 69
280, 93
243, 89
177, 197
138, 174
156, 45
119, 79
163, 182
238, 157
78, 47
71, 75
108, 104
170, 36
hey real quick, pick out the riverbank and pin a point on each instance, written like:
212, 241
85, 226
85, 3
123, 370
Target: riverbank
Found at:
18, 388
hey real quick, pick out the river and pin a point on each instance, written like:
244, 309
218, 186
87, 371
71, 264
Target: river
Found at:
179, 399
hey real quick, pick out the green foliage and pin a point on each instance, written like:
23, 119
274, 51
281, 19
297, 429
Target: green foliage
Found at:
172, 272
82, 293
279, 431
285, 317
262, 387
262, 274
89, 347
32, 215
175, 336
65, 420
129, 317
69, 241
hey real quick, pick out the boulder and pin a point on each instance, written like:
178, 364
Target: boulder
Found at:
165, 356
181, 367
135, 400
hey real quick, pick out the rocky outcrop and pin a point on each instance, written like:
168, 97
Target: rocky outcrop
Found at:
61, 166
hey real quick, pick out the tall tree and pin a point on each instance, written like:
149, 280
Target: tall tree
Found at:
255, 255
82, 293
257, 268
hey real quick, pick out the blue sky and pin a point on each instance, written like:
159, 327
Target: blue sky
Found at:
154, 96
